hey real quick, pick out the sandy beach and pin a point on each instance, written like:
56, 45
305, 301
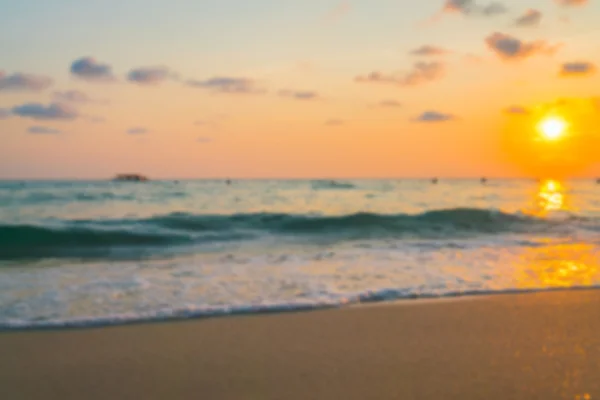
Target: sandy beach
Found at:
526, 346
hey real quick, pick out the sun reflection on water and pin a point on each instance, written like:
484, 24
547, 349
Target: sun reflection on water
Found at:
551, 196
565, 265
557, 262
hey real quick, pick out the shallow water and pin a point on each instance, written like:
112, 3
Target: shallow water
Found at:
78, 253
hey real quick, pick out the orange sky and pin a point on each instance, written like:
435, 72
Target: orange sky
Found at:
323, 89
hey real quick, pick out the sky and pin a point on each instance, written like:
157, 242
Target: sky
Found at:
297, 88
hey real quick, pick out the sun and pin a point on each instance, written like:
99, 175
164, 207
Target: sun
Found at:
552, 128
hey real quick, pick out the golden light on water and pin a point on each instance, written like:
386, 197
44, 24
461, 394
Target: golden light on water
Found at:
551, 196
556, 263
561, 265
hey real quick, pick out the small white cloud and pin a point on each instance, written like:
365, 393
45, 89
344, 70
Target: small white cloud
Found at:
434, 116
138, 130
334, 122
148, 75
299, 94
24, 82
43, 130
422, 72
429, 50
87, 68
579, 68
40, 111
228, 85
518, 110
530, 18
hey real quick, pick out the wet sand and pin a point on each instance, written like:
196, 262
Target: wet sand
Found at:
529, 346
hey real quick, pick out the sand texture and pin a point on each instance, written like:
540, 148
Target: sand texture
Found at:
530, 346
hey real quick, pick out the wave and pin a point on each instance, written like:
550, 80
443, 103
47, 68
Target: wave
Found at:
107, 236
199, 312
50, 197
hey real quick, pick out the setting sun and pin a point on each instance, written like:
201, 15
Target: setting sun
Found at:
552, 128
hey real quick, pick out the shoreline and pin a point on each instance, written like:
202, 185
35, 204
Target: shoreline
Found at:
111, 322
541, 345
520, 346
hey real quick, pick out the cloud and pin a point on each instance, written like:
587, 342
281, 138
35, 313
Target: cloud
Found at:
577, 69
572, 3
75, 96
471, 7
4, 113
96, 119
138, 130
89, 69
518, 110
299, 94
389, 104
428, 50
339, 11
510, 48
208, 124
72, 96
434, 116
531, 17
421, 73
204, 139
227, 85
148, 75
334, 122
24, 82
494, 9
44, 130
42, 112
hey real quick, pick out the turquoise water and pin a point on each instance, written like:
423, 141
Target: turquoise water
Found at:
85, 253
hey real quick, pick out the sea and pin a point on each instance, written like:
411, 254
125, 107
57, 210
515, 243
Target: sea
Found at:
94, 253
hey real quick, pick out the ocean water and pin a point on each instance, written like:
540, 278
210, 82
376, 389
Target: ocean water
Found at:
95, 253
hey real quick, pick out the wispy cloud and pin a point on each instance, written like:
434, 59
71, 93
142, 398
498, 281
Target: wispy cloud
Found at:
228, 85
138, 130
4, 113
429, 50
421, 73
518, 110
434, 116
41, 112
96, 119
299, 94
530, 18
43, 130
471, 7
510, 48
334, 122
339, 11
577, 69
74, 96
389, 104
87, 68
208, 124
572, 3
24, 82
148, 75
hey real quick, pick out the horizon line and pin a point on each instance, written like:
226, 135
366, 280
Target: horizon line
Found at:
308, 178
